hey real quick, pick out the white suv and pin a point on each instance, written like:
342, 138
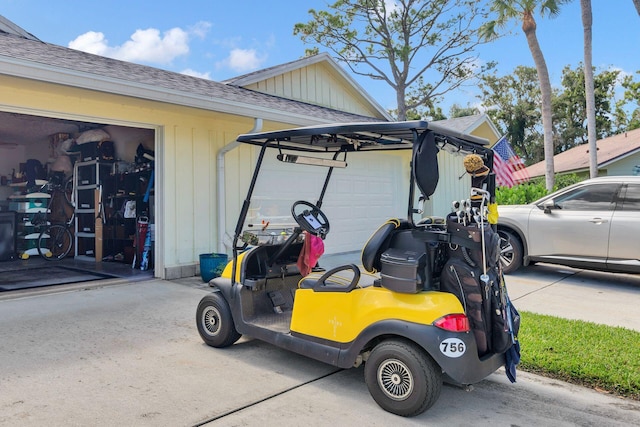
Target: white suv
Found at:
594, 224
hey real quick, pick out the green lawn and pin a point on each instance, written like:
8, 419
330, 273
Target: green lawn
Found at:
597, 356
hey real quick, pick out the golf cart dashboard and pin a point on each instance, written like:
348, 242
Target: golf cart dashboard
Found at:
271, 236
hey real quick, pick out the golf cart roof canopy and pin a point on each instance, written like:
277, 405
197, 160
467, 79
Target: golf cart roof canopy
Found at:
365, 136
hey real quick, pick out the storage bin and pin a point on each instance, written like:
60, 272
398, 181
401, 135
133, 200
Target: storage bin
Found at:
211, 265
401, 270
86, 222
30, 204
86, 199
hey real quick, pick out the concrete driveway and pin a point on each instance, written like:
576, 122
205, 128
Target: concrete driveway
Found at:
592, 296
130, 355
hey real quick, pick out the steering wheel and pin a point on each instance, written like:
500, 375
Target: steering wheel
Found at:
312, 220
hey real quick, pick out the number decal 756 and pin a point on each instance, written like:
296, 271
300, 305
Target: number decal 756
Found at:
453, 347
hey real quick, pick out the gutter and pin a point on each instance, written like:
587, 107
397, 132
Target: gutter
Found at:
222, 205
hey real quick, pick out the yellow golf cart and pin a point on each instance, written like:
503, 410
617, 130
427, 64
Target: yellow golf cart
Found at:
419, 310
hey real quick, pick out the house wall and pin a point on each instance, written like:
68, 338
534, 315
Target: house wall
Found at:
484, 130
187, 142
316, 84
622, 167
450, 187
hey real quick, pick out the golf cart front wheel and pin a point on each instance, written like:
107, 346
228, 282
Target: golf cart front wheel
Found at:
214, 321
402, 378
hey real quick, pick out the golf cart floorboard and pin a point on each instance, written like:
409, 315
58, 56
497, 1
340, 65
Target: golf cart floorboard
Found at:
278, 322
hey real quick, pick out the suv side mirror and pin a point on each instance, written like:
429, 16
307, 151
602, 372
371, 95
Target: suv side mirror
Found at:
548, 205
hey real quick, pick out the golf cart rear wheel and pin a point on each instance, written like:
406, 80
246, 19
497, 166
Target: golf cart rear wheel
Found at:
402, 378
214, 321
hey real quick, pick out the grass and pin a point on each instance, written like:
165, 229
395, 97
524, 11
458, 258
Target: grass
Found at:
601, 357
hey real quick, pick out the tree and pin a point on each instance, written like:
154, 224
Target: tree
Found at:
571, 119
513, 104
587, 20
459, 111
637, 5
631, 95
422, 49
522, 11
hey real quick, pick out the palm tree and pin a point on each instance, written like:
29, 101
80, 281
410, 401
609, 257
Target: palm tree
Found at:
587, 19
523, 10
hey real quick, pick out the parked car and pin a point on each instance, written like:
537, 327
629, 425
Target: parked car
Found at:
594, 224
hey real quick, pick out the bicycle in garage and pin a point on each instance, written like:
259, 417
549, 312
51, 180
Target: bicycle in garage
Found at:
56, 240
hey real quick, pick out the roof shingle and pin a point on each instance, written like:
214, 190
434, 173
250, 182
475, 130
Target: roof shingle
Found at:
609, 150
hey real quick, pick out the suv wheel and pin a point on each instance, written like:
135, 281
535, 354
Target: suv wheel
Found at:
402, 378
510, 252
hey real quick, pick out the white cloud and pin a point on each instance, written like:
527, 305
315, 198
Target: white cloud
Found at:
242, 60
621, 73
148, 45
200, 29
91, 42
391, 6
194, 73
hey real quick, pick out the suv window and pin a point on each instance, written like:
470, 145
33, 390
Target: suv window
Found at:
596, 197
632, 198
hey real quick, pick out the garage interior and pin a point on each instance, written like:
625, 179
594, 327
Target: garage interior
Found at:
113, 199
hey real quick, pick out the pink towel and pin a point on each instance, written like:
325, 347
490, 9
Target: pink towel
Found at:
312, 250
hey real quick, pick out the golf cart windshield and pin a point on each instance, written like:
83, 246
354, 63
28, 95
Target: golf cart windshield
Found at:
266, 212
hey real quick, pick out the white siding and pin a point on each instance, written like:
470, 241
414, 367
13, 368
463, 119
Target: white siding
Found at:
624, 166
316, 84
450, 186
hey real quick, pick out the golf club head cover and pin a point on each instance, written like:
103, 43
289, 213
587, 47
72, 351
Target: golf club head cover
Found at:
475, 167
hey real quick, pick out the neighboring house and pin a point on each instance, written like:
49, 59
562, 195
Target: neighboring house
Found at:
617, 155
201, 174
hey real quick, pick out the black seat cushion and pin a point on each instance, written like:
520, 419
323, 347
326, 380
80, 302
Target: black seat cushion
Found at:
377, 244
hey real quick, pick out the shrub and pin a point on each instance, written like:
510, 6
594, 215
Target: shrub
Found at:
531, 191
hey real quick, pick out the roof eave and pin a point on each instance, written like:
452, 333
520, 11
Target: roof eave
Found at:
68, 77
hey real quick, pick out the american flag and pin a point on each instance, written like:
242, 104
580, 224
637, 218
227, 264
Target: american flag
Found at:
508, 167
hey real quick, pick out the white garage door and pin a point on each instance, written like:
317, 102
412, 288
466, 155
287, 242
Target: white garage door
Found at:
372, 189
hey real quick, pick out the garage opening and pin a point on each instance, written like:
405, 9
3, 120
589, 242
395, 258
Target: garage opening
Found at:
94, 179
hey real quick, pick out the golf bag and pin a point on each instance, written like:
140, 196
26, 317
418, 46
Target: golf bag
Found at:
474, 276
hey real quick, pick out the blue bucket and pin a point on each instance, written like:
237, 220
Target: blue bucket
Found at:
211, 265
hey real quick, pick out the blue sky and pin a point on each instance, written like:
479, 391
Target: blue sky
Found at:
219, 40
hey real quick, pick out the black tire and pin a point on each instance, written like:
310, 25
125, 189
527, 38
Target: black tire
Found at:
511, 253
402, 378
215, 323
68, 191
54, 242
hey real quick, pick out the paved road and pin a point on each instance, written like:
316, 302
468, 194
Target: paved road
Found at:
130, 355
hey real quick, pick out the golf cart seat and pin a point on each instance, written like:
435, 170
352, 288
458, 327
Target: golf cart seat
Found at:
401, 254
377, 243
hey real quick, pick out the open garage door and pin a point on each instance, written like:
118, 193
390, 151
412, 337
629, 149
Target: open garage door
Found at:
112, 193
